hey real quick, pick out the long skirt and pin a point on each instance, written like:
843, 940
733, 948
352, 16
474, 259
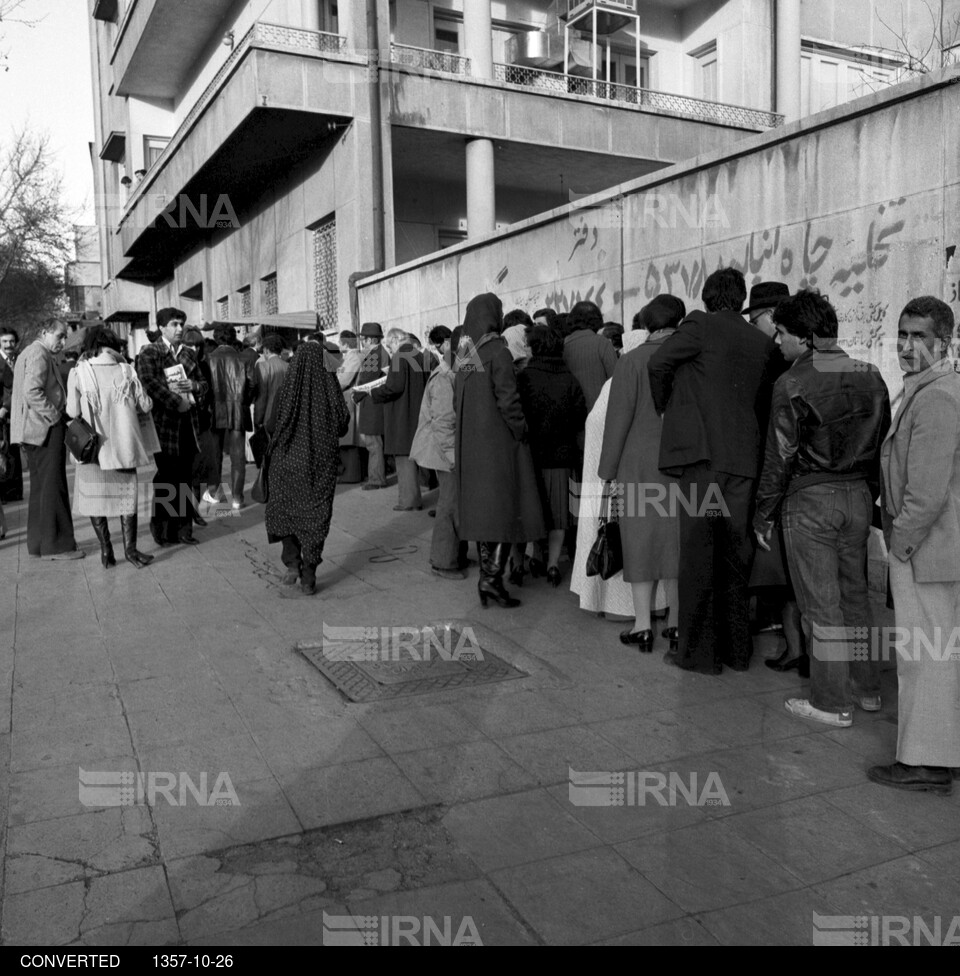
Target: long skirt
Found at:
104, 493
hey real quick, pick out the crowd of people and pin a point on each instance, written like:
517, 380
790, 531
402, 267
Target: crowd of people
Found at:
739, 447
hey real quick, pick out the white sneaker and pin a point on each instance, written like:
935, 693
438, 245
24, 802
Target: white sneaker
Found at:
802, 708
869, 703
209, 499
236, 506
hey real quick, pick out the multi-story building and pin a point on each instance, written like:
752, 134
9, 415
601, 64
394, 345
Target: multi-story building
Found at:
82, 277
255, 157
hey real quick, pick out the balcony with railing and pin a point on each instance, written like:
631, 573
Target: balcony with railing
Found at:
262, 35
546, 82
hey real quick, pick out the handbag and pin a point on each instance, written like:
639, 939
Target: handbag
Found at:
260, 492
82, 441
605, 558
259, 441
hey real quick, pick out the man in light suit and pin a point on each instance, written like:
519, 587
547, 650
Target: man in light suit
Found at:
38, 424
920, 464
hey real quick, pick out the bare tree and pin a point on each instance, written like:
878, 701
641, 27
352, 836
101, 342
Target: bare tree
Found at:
35, 231
12, 12
924, 52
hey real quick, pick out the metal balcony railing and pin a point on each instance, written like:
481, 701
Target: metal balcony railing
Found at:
421, 57
260, 34
555, 82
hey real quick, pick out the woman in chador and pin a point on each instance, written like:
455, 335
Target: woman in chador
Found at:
497, 487
649, 529
105, 390
304, 459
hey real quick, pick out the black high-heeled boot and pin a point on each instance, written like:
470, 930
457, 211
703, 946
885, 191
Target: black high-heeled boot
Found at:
128, 526
493, 562
102, 529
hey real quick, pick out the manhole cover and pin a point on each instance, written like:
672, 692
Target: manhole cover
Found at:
371, 663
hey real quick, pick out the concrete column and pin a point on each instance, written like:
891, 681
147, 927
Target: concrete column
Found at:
788, 58
481, 197
478, 37
310, 14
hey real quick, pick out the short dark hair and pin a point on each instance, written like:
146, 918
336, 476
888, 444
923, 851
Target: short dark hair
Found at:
550, 314
562, 322
348, 334
928, 307
586, 315
166, 314
273, 343
725, 289
516, 316
7, 331
438, 335
225, 335
806, 315
100, 337
662, 312
546, 342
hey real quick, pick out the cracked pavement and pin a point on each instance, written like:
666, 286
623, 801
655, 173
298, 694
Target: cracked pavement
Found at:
456, 803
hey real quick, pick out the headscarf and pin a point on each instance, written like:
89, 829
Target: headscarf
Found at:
484, 315
634, 338
304, 458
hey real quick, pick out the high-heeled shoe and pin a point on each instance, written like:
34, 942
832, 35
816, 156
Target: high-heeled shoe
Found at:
493, 562
553, 576
643, 639
102, 530
673, 635
537, 568
784, 662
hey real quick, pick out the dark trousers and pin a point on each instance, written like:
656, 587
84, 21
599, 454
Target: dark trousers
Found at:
12, 489
173, 505
826, 528
293, 559
49, 524
715, 558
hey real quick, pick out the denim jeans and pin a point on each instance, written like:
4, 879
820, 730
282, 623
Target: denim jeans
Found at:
826, 527
376, 466
408, 482
234, 442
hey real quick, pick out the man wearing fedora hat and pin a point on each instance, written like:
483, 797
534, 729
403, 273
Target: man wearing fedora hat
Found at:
764, 298
370, 414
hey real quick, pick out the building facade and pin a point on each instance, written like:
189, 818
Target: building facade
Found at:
255, 158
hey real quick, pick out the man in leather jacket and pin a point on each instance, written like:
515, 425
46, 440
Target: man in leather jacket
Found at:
828, 418
232, 389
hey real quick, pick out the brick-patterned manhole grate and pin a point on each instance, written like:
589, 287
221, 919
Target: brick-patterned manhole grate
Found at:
373, 663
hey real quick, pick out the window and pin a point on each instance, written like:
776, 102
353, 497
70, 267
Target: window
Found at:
623, 70
447, 34
268, 295
325, 271
223, 309
707, 80
831, 75
153, 147
246, 303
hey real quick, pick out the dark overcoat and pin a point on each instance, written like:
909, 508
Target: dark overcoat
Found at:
401, 396
499, 498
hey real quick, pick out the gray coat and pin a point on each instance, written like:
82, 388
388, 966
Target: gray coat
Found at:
920, 463
39, 395
649, 530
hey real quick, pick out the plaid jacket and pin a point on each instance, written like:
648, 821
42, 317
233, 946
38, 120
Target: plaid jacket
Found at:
153, 360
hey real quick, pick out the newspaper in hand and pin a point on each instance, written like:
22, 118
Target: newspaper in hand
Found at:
373, 384
175, 376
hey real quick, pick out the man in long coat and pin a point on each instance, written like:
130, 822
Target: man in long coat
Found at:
706, 380
920, 464
401, 396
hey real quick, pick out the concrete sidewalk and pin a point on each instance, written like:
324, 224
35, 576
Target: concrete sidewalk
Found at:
455, 804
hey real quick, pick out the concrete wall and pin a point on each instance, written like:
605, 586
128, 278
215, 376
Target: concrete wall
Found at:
862, 202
